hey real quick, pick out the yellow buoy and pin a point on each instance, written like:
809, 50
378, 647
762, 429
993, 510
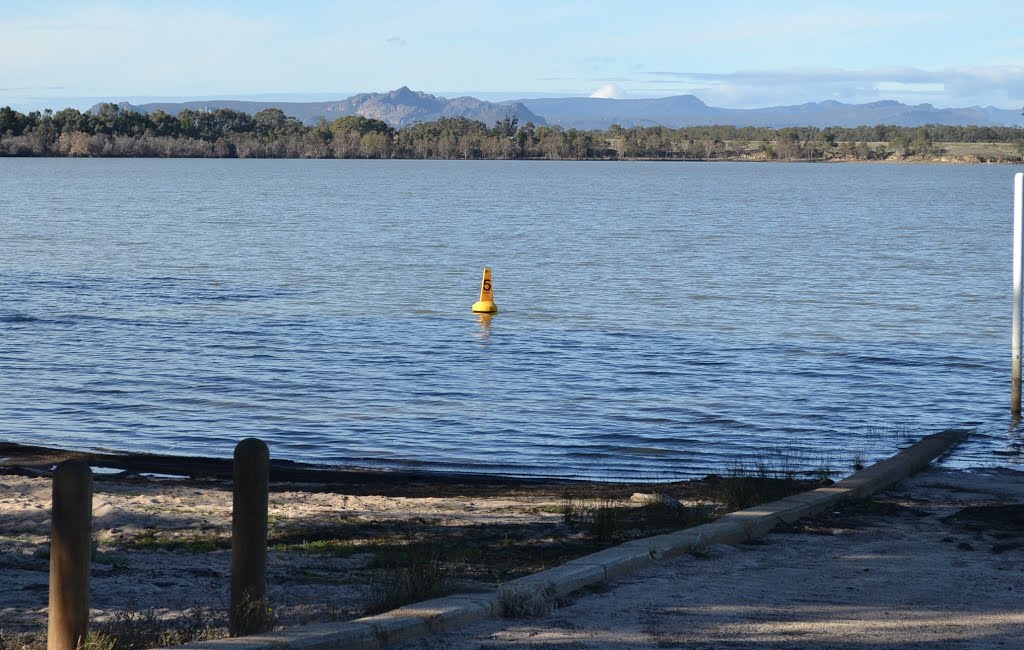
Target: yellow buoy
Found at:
486, 303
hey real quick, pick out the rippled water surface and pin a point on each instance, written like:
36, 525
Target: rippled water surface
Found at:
657, 320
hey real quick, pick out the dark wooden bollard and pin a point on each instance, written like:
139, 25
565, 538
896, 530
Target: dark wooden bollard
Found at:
249, 610
70, 556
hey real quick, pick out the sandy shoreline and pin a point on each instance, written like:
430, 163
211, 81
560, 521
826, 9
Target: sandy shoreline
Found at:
163, 544
900, 569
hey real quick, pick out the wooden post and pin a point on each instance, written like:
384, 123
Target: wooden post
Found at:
70, 556
1018, 276
249, 611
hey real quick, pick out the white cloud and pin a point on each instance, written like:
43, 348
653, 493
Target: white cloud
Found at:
609, 91
950, 86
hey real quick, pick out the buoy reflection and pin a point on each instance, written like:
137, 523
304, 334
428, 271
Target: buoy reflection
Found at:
485, 326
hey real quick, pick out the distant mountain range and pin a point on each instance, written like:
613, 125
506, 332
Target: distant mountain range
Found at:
398, 108
688, 110
403, 107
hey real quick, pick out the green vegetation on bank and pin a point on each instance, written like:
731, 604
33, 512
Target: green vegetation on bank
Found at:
223, 133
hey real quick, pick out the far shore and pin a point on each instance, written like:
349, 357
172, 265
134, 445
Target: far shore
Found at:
982, 157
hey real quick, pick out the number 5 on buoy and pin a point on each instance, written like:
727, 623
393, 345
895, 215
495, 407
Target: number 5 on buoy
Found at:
486, 303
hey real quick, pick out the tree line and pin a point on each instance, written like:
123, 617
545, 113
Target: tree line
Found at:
111, 131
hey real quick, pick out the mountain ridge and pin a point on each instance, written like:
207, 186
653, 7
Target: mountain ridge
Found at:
399, 108
689, 110
403, 107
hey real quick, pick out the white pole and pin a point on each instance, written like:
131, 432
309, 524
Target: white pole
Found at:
1018, 276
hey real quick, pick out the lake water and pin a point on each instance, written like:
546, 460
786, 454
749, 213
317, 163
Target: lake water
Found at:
657, 320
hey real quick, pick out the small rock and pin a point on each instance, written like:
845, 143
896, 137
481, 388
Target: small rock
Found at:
646, 499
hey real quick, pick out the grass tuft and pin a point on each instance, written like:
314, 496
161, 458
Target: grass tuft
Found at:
135, 629
527, 601
608, 516
410, 573
252, 616
741, 489
858, 462
149, 540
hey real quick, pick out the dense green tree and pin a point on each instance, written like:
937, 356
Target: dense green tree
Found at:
922, 142
163, 124
110, 130
273, 123
506, 127
361, 125
12, 122
900, 144
70, 120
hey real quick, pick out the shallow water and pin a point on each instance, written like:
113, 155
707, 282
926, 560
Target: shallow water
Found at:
657, 320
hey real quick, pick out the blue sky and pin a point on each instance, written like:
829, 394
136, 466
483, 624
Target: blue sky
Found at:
729, 53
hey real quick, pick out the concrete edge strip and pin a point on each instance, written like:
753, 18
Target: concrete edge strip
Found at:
536, 594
